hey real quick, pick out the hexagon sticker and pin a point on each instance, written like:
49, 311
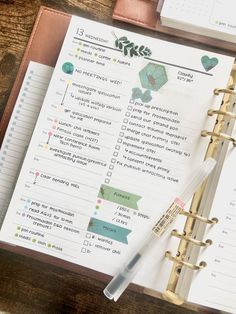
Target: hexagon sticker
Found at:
153, 76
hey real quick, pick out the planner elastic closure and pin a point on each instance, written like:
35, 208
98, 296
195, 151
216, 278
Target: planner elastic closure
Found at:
223, 116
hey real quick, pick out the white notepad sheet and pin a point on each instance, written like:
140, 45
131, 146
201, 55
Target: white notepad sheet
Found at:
20, 128
215, 18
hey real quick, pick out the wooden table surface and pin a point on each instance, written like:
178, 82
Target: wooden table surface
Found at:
27, 285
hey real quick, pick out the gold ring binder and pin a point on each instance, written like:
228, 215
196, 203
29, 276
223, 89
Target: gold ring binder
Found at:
200, 218
183, 263
211, 112
229, 90
175, 233
221, 136
223, 115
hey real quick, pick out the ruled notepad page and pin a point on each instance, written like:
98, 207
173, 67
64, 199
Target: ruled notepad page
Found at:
20, 129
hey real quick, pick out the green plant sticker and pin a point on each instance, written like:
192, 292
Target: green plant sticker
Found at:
209, 63
144, 96
136, 93
153, 76
131, 49
68, 68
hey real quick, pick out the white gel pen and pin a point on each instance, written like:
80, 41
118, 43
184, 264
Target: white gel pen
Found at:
120, 282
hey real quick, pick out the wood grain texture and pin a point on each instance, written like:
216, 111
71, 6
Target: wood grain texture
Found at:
16, 22
27, 285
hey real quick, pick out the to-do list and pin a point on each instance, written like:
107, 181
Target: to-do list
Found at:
117, 135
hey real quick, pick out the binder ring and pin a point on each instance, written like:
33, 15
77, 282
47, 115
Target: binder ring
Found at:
211, 112
175, 233
200, 218
217, 91
223, 136
183, 263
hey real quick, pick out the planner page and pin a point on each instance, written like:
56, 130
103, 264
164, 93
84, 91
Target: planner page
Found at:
116, 138
215, 285
215, 18
20, 129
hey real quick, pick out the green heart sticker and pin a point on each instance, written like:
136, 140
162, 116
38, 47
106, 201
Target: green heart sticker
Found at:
209, 63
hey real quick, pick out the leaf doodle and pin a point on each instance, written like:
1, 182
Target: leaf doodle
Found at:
102, 191
136, 93
131, 49
146, 97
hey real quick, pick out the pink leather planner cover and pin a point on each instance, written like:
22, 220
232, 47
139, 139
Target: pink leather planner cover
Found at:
146, 13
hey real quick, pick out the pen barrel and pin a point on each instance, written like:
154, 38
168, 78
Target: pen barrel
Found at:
118, 284
121, 281
168, 217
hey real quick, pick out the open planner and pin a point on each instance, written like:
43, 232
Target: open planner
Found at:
97, 148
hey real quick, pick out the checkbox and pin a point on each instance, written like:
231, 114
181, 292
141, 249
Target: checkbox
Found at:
83, 250
109, 173
113, 160
125, 121
130, 108
88, 235
107, 180
121, 134
119, 140
123, 127
115, 154
111, 167
117, 147
86, 243
127, 114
